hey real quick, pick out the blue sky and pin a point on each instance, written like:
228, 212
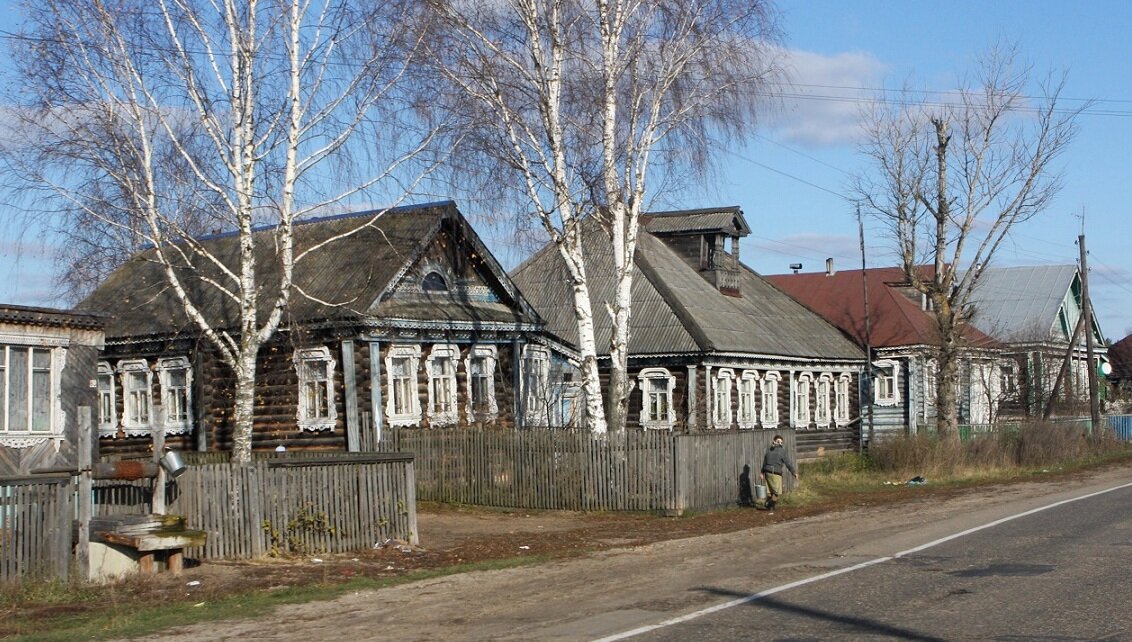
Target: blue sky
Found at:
790, 179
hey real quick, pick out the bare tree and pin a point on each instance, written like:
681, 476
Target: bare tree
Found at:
571, 109
148, 121
950, 179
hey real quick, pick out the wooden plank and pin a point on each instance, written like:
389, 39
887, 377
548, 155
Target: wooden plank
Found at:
350, 390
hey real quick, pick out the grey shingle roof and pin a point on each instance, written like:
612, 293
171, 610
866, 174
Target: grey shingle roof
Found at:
728, 219
343, 279
676, 310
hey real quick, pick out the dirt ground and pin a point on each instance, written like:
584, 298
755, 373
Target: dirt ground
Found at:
452, 536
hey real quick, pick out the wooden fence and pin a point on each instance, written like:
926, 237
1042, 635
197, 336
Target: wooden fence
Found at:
296, 505
574, 470
35, 527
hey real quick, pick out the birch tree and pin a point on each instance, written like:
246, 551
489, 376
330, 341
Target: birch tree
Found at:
949, 180
148, 121
582, 106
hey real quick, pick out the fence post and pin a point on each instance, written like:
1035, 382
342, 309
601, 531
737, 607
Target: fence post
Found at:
84, 498
158, 502
680, 475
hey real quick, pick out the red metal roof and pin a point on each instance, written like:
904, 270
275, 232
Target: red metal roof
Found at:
896, 317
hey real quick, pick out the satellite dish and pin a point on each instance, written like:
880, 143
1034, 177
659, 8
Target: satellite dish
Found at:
1106, 368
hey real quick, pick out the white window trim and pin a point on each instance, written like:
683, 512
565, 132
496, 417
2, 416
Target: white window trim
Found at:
823, 411
748, 386
768, 414
646, 419
125, 369
326, 422
452, 353
490, 355
107, 426
173, 426
723, 378
804, 382
535, 402
413, 416
840, 393
27, 438
894, 368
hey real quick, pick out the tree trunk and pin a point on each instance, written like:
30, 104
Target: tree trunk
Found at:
244, 409
947, 387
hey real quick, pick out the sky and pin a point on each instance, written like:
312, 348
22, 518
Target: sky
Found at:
791, 177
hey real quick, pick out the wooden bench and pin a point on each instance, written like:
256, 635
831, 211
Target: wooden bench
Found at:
148, 534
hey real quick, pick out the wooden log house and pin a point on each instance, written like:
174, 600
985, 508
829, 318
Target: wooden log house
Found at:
401, 318
713, 346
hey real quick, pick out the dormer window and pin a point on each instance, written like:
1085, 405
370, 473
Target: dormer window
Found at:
434, 282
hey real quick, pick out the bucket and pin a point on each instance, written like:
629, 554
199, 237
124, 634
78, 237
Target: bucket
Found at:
760, 491
172, 463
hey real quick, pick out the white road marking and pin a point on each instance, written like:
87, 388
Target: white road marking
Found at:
849, 569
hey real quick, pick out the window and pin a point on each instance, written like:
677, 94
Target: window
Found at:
137, 381
315, 367
1008, 382
176, 384
434, 282
566, 412
769, 414
721, 398
402, 405
885, 392
656, 398
841, 403
107, 408
480, 368
536, 370
29, 390
442, 361
822, 389
802, 400
748, 384
931, 379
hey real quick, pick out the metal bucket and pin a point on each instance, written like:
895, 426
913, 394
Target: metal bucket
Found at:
760, 491
172, 463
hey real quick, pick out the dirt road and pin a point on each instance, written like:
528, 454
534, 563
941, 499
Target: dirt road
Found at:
614, 590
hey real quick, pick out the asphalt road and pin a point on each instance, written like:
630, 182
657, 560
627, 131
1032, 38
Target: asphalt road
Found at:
1061, 573
1043, 560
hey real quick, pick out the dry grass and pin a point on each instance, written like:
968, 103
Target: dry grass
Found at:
1027, 447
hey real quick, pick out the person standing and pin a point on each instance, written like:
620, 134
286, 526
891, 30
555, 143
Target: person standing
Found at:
775, 464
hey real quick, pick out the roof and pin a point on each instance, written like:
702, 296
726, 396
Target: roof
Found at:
1023, 303
1120, 357
728, 220
895, 315
675, 309
51, 317
356, 260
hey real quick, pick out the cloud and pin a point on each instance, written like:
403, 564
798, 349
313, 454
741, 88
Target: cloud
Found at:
821, 100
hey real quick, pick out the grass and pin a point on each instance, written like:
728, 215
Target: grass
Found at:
121, 616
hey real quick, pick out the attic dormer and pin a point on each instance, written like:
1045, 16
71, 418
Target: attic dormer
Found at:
701, 238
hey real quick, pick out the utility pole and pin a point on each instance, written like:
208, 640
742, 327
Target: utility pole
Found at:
1087, 312
868, 397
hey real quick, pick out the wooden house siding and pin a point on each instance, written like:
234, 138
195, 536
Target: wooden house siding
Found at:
75, 339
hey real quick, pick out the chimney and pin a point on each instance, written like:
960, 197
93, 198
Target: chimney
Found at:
797, 267
829, 267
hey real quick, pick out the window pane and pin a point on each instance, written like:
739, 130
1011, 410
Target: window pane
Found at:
18, 389
41, 401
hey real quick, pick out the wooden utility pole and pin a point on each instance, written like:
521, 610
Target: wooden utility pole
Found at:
868, 397
1087, 312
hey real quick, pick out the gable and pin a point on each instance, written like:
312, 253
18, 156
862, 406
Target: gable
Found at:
449, 278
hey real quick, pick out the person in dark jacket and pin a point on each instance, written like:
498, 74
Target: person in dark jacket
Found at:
775, 464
